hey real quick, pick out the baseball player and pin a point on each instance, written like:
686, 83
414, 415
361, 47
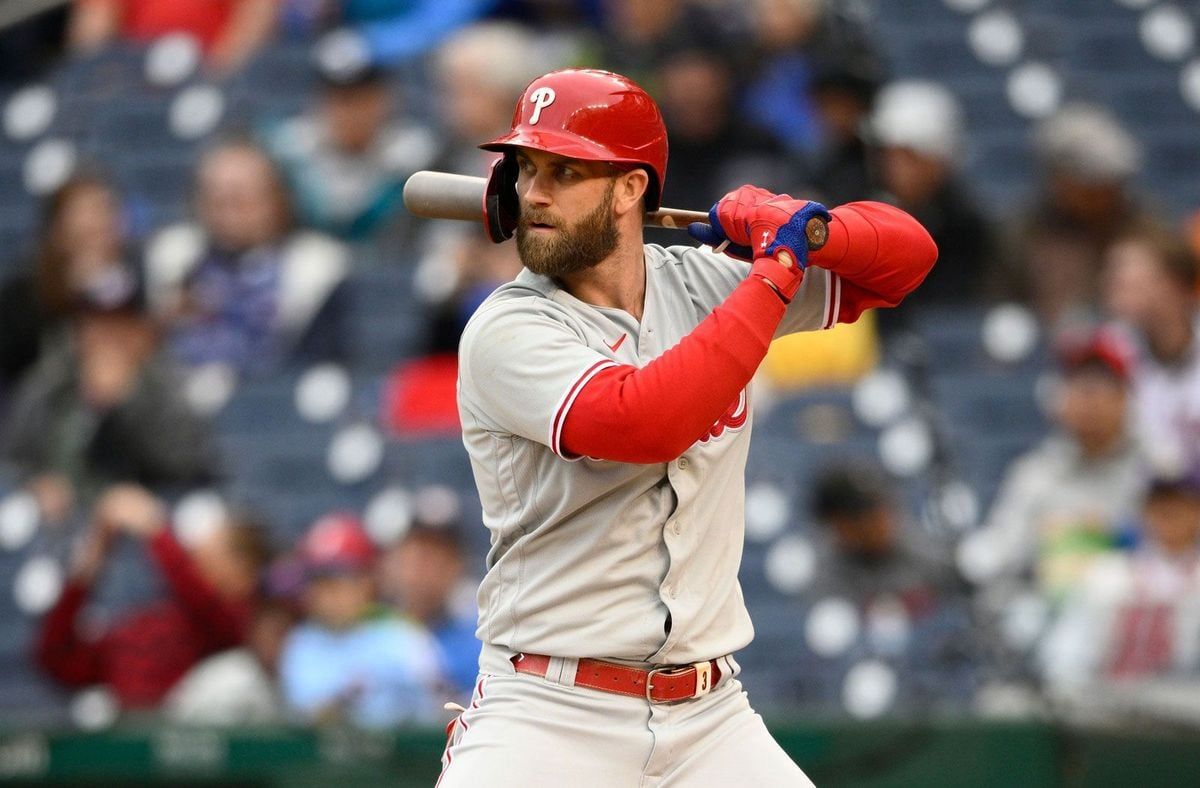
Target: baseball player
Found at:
605, 402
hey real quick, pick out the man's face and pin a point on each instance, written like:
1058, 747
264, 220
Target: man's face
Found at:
228, 569
421, 574
870, 534
567, 223
237, 199
1092, 406
355, 115
910, 175
1136, 288
1173, 519
338, 601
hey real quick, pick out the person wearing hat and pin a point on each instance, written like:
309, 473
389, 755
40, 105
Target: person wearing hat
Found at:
351, 661
1086, 199
104, 405
900, 583
918, 140
1069, 498
1135, 617
348, 157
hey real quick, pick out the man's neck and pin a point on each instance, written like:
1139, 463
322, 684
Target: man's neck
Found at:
617, 282
1101, 446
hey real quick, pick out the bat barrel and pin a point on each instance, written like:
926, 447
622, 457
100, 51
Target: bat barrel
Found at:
444, 195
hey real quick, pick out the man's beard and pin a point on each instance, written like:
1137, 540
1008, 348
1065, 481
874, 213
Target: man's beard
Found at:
571, 249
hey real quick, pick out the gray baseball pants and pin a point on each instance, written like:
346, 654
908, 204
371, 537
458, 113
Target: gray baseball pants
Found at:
521, 731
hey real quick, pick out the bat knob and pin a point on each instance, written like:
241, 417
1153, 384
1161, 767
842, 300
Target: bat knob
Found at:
816, 232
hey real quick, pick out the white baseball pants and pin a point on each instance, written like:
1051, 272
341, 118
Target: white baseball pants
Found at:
521, 731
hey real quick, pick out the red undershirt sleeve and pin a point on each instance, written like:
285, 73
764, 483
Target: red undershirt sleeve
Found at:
877, 254
655, 413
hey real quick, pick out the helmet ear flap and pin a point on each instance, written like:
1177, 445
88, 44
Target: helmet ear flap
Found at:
500, 206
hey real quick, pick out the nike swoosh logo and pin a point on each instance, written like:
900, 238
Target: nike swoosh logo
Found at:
613, 347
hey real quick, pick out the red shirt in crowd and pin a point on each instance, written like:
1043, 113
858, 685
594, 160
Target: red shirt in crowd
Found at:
146, 20
144, 654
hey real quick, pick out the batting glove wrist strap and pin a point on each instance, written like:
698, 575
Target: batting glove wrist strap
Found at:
783, 277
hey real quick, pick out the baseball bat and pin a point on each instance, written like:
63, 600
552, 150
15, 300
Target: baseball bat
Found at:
445, 195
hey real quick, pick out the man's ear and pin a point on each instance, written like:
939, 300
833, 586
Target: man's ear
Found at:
630, 191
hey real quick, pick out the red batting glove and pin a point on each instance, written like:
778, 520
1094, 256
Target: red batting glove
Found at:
778, 234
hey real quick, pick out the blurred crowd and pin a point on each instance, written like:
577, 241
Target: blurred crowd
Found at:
106, 328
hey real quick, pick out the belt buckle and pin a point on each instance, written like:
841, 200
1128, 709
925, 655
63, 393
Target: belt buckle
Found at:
650, 681
703, 678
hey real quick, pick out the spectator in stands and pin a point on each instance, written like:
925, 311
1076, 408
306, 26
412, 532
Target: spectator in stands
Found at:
869, 550
81, 248
1150, 286
842, 93
239, 686
793, 41
1055, 257
1072, 498
420, 575
919, 140
350, 660
347, 160
141, 655
242, 287
900, 583
1136, 616
104, 405
712, 150
478, 74
230, 31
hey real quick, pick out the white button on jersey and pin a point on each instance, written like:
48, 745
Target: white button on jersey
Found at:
683, 463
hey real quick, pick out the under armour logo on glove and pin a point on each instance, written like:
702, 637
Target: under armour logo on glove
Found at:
782, 224
728, 228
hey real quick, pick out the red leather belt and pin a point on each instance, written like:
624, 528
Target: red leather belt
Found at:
660, 685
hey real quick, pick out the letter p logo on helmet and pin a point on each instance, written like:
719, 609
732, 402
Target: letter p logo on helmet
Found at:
541, 98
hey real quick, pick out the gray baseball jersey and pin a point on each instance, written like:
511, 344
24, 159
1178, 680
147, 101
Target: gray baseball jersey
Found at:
593, 558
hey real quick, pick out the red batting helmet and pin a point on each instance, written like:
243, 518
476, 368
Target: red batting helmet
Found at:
592, 115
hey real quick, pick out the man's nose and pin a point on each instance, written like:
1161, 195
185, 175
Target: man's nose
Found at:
536, 192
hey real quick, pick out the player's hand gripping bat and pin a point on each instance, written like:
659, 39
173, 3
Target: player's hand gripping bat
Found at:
444, 195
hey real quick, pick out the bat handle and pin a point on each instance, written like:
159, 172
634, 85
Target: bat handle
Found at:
816, 231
